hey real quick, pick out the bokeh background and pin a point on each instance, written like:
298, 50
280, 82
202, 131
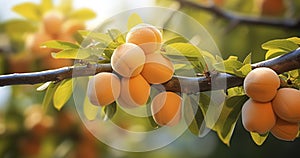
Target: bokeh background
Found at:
25, 131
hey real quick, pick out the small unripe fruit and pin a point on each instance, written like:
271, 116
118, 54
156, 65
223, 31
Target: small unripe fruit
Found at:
135, 91
52, 22
103, 89
157, 69
128, 60
261, 84
166, 108
286, 104
285, 130
33, 43
146, 36
258, 117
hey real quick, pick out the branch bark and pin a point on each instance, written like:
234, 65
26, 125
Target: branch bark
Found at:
280, 64
237, 18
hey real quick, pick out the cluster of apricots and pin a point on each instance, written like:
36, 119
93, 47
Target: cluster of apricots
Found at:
137, 64
270, 108
54, 26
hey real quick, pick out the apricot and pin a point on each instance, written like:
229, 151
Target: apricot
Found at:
157, 69
285, 130
166, 108
135, 91
257, 116
261, 84
52, 22
128, 60
103, 88
286, 104
146, 36
72, 26
33, 43
273, 7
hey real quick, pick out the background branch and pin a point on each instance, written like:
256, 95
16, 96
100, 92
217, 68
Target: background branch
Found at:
280, 64
238, 18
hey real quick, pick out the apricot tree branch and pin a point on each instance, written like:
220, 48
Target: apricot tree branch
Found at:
237, 18
216, 81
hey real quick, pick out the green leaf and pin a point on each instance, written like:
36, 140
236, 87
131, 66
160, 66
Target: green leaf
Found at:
90, 111
283, 44
49, 95
71, 54
109, 111
243, 71
183, 49
228, 117
229, 65
82, 14
28, 10
180, 51
116, 36
258, 138
63, 93
193, 115
178, 39
56, 44
133, 20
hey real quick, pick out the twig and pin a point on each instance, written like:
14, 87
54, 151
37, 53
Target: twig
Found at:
280, 64
286, 23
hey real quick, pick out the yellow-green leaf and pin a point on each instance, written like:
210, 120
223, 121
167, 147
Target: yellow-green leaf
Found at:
178, 39
133, 20
71, 54
258, 138
272, 53
90, 111
295, 40
283, 44
46, 5
49, 95
82, 14
228, 117
28, 10
63, 93
56, 44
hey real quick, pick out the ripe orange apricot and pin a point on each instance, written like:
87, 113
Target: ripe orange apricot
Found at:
52, 22
285, 130
135, 91
286, 104
146, 36
128, 60
157, 69
166, 108
257, 116
261, 84
103, 88
33, 43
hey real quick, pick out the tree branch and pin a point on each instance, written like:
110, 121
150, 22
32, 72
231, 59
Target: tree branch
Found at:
237, 18
280, 64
